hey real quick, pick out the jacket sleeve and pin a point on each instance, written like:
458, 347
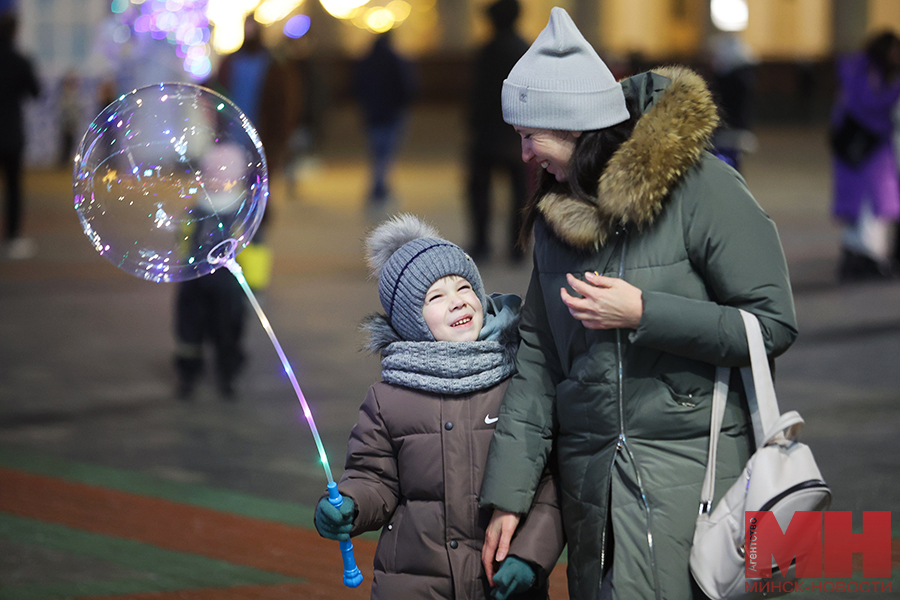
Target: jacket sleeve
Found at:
370, 474
525, 430
540, 537
735, 248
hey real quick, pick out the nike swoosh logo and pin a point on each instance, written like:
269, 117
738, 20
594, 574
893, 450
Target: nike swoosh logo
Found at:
489, 421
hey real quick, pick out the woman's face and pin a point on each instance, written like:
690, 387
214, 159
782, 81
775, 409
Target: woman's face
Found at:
551, 149
452, 310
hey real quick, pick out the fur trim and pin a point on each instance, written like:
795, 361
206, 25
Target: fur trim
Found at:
510, 339
667, 141
379, 333
388, 237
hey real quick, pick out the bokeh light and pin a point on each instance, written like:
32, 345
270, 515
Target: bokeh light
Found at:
182, 23
272, 11
342, 9
165, 175
217, 26
297, 26
729, 15
379, 19
399, 10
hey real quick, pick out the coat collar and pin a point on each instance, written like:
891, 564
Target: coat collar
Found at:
677, 123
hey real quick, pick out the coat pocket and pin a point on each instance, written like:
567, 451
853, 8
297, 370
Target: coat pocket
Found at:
386, 553
682, 398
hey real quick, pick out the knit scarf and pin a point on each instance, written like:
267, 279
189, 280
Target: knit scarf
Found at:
452, 368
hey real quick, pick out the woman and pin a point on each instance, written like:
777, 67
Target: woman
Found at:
866, 187
645, 247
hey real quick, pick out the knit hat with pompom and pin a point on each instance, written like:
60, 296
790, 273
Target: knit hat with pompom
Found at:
408, 256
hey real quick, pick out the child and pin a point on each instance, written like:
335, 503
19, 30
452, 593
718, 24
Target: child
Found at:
416, 456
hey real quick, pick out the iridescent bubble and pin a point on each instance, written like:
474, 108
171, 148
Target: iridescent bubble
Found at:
170, 182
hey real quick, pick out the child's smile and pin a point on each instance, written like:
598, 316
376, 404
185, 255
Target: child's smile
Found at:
452, 310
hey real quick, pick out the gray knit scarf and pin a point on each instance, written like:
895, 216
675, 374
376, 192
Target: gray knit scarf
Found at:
451, 368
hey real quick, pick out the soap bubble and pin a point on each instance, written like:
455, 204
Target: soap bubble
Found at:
170, 182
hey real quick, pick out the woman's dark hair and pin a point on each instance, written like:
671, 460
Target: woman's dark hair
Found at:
880, 49
593, 149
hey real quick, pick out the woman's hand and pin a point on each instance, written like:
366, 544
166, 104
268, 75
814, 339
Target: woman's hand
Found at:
497, 539
608, 303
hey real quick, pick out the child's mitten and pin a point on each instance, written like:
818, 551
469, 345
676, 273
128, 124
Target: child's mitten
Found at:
514, 577
335, 523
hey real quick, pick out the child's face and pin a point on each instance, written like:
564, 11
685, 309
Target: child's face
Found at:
452, 310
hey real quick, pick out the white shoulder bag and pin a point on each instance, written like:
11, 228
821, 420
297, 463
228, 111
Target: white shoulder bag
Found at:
781, 477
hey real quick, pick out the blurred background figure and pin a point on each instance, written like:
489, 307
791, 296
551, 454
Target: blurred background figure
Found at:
733, 84
306, 141
493, 143
70, 121
213, 308
267, 89
209, 309
895, 142
384, 84
866, 187
17, 83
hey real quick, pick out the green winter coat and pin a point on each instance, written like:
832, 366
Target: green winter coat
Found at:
629, 410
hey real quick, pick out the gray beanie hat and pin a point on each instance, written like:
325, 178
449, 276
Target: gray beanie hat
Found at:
561, 83
408, 256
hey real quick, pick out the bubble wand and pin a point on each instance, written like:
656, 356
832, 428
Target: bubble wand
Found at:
138, 191
223, 254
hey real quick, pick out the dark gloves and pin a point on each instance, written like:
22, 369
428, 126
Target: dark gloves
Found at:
514, 577
335, 523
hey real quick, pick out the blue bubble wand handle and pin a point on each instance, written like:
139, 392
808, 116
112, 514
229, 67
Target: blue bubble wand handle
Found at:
352, 576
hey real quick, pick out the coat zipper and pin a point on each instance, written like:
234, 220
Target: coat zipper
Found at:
622, 443
620, 402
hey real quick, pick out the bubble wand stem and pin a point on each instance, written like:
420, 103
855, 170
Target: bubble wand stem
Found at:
352, 575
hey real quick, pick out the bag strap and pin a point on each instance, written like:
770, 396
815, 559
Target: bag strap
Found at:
758, 382
761, 399
720, 394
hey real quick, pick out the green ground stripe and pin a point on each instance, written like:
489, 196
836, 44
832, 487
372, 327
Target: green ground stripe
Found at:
147, 485
168, 570
228, 501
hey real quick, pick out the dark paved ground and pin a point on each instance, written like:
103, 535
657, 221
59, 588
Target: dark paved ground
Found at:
87, 387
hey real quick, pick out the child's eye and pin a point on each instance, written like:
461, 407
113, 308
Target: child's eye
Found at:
433, 298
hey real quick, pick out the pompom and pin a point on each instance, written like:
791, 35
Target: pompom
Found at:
388, 237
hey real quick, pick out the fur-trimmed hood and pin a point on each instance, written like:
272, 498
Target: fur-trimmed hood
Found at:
676, 126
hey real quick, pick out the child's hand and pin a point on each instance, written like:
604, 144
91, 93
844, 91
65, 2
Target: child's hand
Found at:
514, 577
335, 523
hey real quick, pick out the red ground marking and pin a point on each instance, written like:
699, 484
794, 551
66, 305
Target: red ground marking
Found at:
264, 545
292, 591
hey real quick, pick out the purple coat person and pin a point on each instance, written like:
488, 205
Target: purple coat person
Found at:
869, 99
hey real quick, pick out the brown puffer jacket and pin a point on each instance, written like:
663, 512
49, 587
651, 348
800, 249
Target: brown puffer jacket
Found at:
415, 461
